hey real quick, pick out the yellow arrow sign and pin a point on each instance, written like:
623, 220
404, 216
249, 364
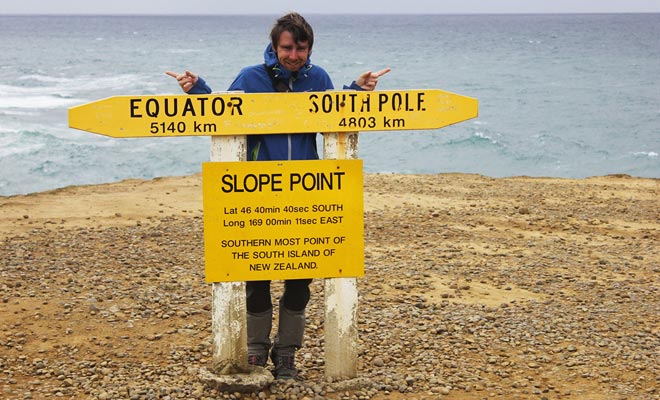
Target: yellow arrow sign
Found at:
235, 113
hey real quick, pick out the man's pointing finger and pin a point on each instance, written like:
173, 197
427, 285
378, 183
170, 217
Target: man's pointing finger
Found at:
381, 72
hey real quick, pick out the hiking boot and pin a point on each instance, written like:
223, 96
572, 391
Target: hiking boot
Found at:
284, 367
258, 360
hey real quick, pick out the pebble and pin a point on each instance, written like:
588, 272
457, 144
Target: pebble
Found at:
486, 298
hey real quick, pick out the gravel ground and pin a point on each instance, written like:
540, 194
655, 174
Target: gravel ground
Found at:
475, 288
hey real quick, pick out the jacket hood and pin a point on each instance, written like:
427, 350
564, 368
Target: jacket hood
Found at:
270, 58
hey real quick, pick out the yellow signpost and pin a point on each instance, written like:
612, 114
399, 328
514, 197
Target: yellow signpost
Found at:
235, 113
279, 220
268, 220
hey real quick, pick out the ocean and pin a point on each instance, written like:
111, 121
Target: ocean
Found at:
559, 95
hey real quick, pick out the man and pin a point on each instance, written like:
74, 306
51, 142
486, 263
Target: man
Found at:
287, 67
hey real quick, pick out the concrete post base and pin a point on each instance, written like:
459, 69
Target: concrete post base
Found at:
254, 381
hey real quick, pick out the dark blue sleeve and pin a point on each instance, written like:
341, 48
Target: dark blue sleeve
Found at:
200, 87
353, 86
238, 83
252, 79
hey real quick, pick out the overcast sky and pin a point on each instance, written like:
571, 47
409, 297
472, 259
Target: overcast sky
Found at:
324, 7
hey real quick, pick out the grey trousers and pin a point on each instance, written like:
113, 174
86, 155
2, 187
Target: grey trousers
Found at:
290, 331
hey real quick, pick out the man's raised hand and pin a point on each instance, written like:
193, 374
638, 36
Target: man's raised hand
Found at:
186, 80
369, 80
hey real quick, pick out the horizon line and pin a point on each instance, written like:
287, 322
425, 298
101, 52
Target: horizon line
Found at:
173, 14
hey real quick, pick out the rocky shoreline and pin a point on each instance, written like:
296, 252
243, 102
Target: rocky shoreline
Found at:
475, 288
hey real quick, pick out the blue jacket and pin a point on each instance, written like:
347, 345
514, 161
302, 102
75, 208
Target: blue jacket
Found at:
255, 79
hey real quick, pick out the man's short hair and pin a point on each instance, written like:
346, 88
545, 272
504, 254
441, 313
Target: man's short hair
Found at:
296, 25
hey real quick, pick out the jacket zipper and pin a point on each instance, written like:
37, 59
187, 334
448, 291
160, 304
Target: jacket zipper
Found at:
289, 135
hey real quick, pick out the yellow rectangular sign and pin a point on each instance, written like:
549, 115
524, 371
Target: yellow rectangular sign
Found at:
236, 113
275, 220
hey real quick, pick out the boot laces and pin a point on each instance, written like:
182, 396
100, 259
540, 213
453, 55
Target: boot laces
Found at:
257, 359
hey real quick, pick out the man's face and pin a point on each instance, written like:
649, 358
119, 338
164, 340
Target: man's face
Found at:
290, 54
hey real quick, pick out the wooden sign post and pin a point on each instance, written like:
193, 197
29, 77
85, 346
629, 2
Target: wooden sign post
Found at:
227, 118
341, 294
228, 319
